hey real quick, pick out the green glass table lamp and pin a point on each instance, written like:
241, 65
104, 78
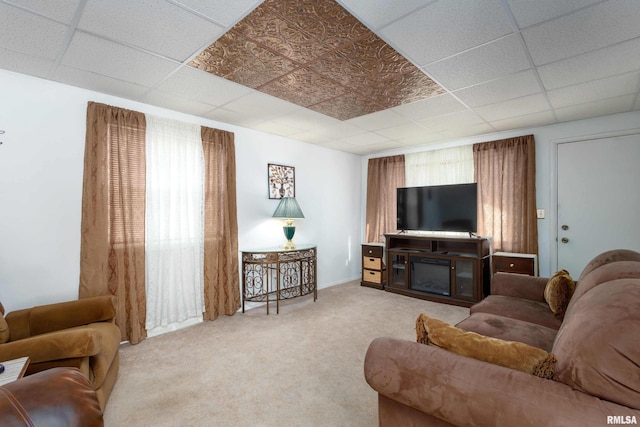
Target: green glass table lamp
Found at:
289, 209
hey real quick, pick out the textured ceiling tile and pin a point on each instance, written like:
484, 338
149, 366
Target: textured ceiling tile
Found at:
325, 21
304, 87
315, 54
278, 35
342, 69
242, 61
398, 89
346, 107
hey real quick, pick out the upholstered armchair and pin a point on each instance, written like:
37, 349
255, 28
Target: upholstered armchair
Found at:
58, 397
80, 334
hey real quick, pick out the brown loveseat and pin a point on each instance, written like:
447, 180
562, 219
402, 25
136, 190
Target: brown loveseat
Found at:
80, 334
597, 347
58, 397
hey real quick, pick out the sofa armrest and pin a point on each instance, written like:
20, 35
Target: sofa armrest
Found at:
67, 344
464, 391
519, 286
56, 397
55, 317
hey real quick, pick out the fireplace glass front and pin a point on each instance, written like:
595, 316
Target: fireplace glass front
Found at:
430, 275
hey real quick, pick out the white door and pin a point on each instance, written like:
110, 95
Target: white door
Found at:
598, 199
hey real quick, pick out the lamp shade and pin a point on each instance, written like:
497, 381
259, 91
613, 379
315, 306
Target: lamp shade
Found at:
288, 208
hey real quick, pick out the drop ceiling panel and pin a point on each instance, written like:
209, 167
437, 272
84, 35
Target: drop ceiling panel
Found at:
176, 103
194, 84
617, 59
522, 122
18, 35
462, 131
597, 108
446, 28
25, 64
602, 25
143, 23
404, 131
514, 107
226, 12
462, 119
527, 12
364, 139
378, 14
432, 107
260, 107
61, 11
379, 120
512, 86
101, 56
99, 82
610, 87
490, 61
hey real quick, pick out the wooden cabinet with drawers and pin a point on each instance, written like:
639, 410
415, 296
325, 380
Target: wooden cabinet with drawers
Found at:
515, 263
373, 266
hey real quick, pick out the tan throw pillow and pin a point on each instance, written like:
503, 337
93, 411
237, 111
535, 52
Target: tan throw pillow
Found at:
559, 291
510, 354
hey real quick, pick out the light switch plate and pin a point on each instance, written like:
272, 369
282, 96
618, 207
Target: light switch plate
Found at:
540, 213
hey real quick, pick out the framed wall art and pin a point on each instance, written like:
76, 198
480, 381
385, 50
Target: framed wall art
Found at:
282, 181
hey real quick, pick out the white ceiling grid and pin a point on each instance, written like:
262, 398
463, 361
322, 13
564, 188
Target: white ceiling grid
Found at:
505, 64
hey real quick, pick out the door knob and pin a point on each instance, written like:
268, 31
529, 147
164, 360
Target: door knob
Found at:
564, 240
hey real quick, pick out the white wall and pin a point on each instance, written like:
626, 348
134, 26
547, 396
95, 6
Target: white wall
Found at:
41, 168
547, 138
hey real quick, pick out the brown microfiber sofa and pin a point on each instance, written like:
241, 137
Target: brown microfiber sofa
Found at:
80, 334
597, 347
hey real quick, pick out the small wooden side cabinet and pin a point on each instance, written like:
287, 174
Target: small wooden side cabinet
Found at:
373, 268
515, 263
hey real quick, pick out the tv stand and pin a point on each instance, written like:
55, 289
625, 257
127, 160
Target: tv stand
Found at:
449, 269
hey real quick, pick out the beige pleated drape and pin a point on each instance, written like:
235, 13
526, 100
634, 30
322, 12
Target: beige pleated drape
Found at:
112, 254
221, 277
505, 171
384, 176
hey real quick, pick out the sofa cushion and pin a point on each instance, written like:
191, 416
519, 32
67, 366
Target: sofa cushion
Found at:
609, 257
509, 329
518, 308
602, 274
510, 354
597, 346
558, 292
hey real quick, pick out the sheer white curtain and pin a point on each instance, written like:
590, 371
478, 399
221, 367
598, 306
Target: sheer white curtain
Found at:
439, 167
174, 236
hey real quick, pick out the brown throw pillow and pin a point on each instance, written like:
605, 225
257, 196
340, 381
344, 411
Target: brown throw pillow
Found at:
510, 354
559, 291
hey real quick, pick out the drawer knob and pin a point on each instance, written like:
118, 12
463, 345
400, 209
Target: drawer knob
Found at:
512, 265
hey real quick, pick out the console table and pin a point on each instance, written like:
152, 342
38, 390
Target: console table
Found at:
277, 274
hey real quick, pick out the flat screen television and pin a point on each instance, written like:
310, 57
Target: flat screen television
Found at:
438, 208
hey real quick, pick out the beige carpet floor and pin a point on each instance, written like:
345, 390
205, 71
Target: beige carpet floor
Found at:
303, 367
